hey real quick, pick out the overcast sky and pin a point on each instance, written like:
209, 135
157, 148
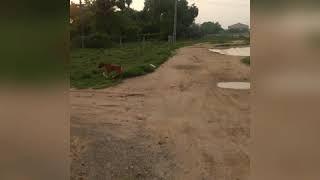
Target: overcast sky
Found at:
227, 12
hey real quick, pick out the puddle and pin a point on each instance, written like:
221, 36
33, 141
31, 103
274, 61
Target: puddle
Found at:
234, 85
237, 51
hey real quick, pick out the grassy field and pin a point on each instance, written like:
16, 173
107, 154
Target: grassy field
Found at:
135, 58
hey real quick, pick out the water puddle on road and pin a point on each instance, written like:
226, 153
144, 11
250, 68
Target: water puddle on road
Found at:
234, 85
237, 51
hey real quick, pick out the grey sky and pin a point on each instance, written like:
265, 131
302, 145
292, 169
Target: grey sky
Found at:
226, 12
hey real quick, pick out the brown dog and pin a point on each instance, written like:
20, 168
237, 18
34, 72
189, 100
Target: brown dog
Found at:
109, 68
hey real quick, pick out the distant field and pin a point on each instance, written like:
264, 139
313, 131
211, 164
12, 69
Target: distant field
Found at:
225, 40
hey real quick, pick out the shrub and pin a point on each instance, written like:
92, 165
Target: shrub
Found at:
246, 60
98, 40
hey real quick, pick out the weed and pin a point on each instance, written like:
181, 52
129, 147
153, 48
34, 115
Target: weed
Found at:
246, 60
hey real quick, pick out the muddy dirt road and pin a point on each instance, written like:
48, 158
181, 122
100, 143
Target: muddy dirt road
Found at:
173, 124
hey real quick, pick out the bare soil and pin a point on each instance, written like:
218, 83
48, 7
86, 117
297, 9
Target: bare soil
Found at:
173, 124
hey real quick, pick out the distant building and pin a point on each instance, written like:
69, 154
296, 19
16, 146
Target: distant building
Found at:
239, 27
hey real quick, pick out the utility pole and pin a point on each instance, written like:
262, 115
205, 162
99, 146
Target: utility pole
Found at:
81, 26
175, 22
159, 6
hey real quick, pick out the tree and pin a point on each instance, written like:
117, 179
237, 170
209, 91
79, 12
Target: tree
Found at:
128, 2
159, 15
186, 17
124, 25
104, 10
87, 15
194, 31
115, 20
121, 4
211, 28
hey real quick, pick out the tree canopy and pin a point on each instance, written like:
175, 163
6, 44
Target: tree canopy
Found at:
113, 20
211, 28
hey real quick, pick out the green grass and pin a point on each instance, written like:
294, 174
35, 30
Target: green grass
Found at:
246, 60
224, 40
135, 58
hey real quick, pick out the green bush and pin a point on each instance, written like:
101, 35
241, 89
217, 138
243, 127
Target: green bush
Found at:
98, 40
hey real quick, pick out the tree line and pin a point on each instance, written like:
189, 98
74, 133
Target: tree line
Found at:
104, 23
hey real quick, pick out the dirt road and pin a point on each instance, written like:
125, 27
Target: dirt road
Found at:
173, 124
